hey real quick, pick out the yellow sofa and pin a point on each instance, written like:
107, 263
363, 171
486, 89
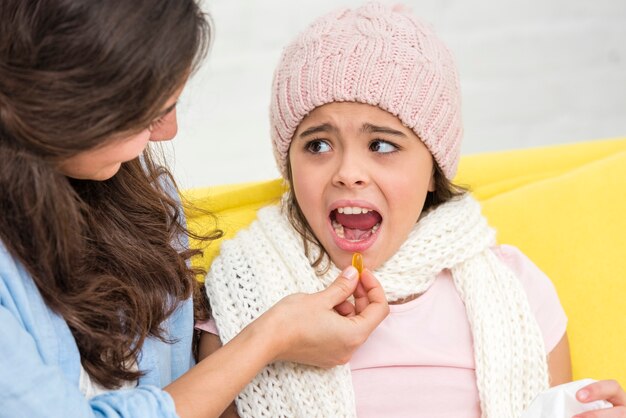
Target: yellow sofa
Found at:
564, 206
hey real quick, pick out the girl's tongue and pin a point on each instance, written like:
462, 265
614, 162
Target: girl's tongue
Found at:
356, 227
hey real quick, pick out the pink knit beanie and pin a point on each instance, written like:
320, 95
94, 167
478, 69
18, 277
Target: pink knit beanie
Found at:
379, 55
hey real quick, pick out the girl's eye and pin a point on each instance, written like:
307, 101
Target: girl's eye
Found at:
382, 147
317, 146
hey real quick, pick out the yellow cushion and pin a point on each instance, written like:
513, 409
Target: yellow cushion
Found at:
564, 206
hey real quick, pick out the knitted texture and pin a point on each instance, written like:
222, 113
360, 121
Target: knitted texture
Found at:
266, 262
377, 55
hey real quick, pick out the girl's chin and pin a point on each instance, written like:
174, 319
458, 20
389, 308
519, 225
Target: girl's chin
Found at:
342, 258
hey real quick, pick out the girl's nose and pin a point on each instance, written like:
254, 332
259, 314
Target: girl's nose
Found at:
351, 172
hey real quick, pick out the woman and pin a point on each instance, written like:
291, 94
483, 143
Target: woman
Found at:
95, 287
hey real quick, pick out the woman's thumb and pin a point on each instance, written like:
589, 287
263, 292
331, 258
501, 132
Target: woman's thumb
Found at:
343, 287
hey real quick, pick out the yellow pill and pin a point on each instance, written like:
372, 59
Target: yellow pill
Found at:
357, 262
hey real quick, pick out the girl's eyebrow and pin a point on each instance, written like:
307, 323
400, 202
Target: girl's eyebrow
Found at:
369, 128
325, 127
366, 127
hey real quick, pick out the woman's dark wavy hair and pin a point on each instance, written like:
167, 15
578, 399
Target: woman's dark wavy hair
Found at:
445, 190
73, 74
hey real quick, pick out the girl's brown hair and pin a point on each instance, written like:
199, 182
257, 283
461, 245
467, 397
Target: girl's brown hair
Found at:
103, 254
445, 190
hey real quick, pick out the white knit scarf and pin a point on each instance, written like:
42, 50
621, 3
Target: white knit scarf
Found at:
266, 262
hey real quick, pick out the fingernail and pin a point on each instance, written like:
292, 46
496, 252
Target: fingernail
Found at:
583, 394
350, 273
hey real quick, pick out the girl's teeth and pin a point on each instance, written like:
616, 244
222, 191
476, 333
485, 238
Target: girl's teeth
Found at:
339, 230
352, 210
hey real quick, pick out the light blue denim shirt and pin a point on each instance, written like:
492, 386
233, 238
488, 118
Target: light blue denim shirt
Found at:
40, 363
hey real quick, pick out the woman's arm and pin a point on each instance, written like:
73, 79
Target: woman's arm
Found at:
209, 344
301, 328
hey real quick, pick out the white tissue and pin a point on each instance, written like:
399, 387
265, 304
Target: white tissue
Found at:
560, 402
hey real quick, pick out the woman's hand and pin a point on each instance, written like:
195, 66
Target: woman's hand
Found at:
608, 390
320, 329
324, 329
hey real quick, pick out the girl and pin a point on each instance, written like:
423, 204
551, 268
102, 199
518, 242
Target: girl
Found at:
95, 289
366, 129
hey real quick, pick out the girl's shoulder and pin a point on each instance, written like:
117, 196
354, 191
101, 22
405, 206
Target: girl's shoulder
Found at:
540, 291
519, 262
534, 280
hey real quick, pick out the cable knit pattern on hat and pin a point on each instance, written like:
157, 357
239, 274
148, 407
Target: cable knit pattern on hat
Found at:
377, 55
266, 262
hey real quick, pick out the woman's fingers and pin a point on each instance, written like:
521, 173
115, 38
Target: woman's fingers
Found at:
345, 308
342, 288
370, 300
367, 284
370, 306
324, 329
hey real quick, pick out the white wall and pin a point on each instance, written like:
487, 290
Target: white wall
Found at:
533, 72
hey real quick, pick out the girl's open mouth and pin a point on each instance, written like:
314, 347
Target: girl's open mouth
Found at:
354, 226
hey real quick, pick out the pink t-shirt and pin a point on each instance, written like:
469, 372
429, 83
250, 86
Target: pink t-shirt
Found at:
419, 362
